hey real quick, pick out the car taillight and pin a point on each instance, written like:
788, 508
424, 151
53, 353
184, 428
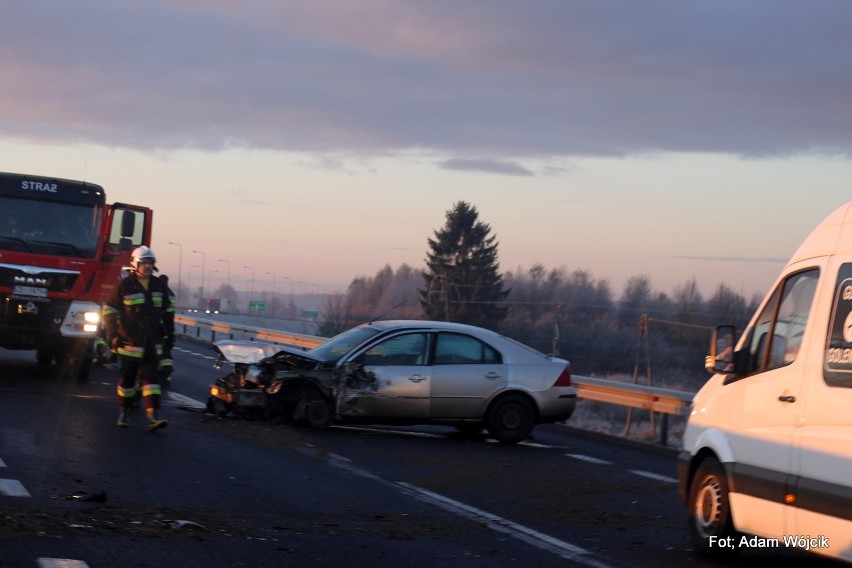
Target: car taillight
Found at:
564, 379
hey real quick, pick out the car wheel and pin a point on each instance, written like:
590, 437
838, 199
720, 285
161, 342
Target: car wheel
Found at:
217, 407
511, 419
709, 510
312, 410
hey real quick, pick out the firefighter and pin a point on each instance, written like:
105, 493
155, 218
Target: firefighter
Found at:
139, 321
167, 365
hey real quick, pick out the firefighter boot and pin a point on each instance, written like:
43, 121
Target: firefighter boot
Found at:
154, 421
123, 420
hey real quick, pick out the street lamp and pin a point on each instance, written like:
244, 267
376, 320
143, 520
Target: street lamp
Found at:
180, 263
273, 292
251, 285
202, 271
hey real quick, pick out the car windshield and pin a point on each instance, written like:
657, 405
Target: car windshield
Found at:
343, 343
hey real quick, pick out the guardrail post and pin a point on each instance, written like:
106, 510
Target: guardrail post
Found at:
664, 429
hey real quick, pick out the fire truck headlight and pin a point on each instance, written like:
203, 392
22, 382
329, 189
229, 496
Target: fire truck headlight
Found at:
91, 319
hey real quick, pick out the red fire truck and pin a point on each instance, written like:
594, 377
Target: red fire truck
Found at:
62, 249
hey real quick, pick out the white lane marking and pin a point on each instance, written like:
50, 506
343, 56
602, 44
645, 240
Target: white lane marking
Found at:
2, 463
589, 459
655, 476
389, 431
191, 352
532, 537
183, 400
60, 563
13, 488
639, 472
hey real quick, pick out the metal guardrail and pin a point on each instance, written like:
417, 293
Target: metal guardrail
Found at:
655, 399
208, 329
666, 401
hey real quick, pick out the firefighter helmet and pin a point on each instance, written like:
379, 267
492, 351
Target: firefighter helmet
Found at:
140, 254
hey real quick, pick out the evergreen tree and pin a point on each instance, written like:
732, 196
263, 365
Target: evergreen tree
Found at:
462, 279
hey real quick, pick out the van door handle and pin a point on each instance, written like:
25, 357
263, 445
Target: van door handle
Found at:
787, 398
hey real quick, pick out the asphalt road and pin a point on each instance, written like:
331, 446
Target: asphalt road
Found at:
226, 492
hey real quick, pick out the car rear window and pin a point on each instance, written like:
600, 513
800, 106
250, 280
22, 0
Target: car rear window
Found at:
460, 349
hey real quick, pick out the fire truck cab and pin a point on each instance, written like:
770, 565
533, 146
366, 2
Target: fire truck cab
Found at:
62, 249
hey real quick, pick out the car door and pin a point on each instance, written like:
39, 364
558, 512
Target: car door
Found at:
823, 464
396, 379
466, 374
766, 407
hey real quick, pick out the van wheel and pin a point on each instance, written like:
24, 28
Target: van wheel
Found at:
511, 419
709, 510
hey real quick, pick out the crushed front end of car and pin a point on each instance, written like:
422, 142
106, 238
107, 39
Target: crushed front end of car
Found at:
269, 381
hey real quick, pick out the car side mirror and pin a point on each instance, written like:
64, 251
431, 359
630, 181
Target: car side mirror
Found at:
721, 357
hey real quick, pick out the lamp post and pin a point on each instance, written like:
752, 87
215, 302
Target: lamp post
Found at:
251, 285
273, 292
202, 271
180, 268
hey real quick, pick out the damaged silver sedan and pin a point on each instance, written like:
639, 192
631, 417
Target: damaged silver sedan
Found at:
400, 372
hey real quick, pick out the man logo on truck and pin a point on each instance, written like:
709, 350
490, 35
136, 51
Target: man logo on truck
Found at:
30, 281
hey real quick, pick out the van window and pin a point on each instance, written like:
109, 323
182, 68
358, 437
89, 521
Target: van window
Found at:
837, 368
779, 329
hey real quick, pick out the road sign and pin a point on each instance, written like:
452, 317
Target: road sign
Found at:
257, 306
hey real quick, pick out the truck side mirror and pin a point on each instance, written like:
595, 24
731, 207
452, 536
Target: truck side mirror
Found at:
721, 357
128, 223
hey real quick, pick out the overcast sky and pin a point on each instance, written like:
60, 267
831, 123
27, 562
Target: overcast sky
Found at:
313, 142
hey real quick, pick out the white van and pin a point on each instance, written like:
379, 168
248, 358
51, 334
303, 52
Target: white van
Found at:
767, 451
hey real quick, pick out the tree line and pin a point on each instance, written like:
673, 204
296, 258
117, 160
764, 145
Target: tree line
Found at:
642, 332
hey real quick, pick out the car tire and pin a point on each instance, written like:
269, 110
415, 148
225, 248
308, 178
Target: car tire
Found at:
511, 419
709, 509
312, 410
217, 407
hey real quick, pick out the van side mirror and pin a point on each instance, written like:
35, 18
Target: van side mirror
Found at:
721, 357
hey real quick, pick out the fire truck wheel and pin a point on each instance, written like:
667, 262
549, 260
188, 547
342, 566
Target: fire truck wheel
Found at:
45, 356
76, 361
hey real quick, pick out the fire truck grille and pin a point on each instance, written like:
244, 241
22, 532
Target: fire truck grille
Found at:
29, 279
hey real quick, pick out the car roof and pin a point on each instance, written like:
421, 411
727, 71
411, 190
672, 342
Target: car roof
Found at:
429, 324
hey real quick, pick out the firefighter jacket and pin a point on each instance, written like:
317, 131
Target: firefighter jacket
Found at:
136, 318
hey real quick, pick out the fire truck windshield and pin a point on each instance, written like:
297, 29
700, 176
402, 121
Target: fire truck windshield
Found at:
58, 229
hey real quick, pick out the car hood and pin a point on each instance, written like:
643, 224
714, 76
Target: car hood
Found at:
249, 352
